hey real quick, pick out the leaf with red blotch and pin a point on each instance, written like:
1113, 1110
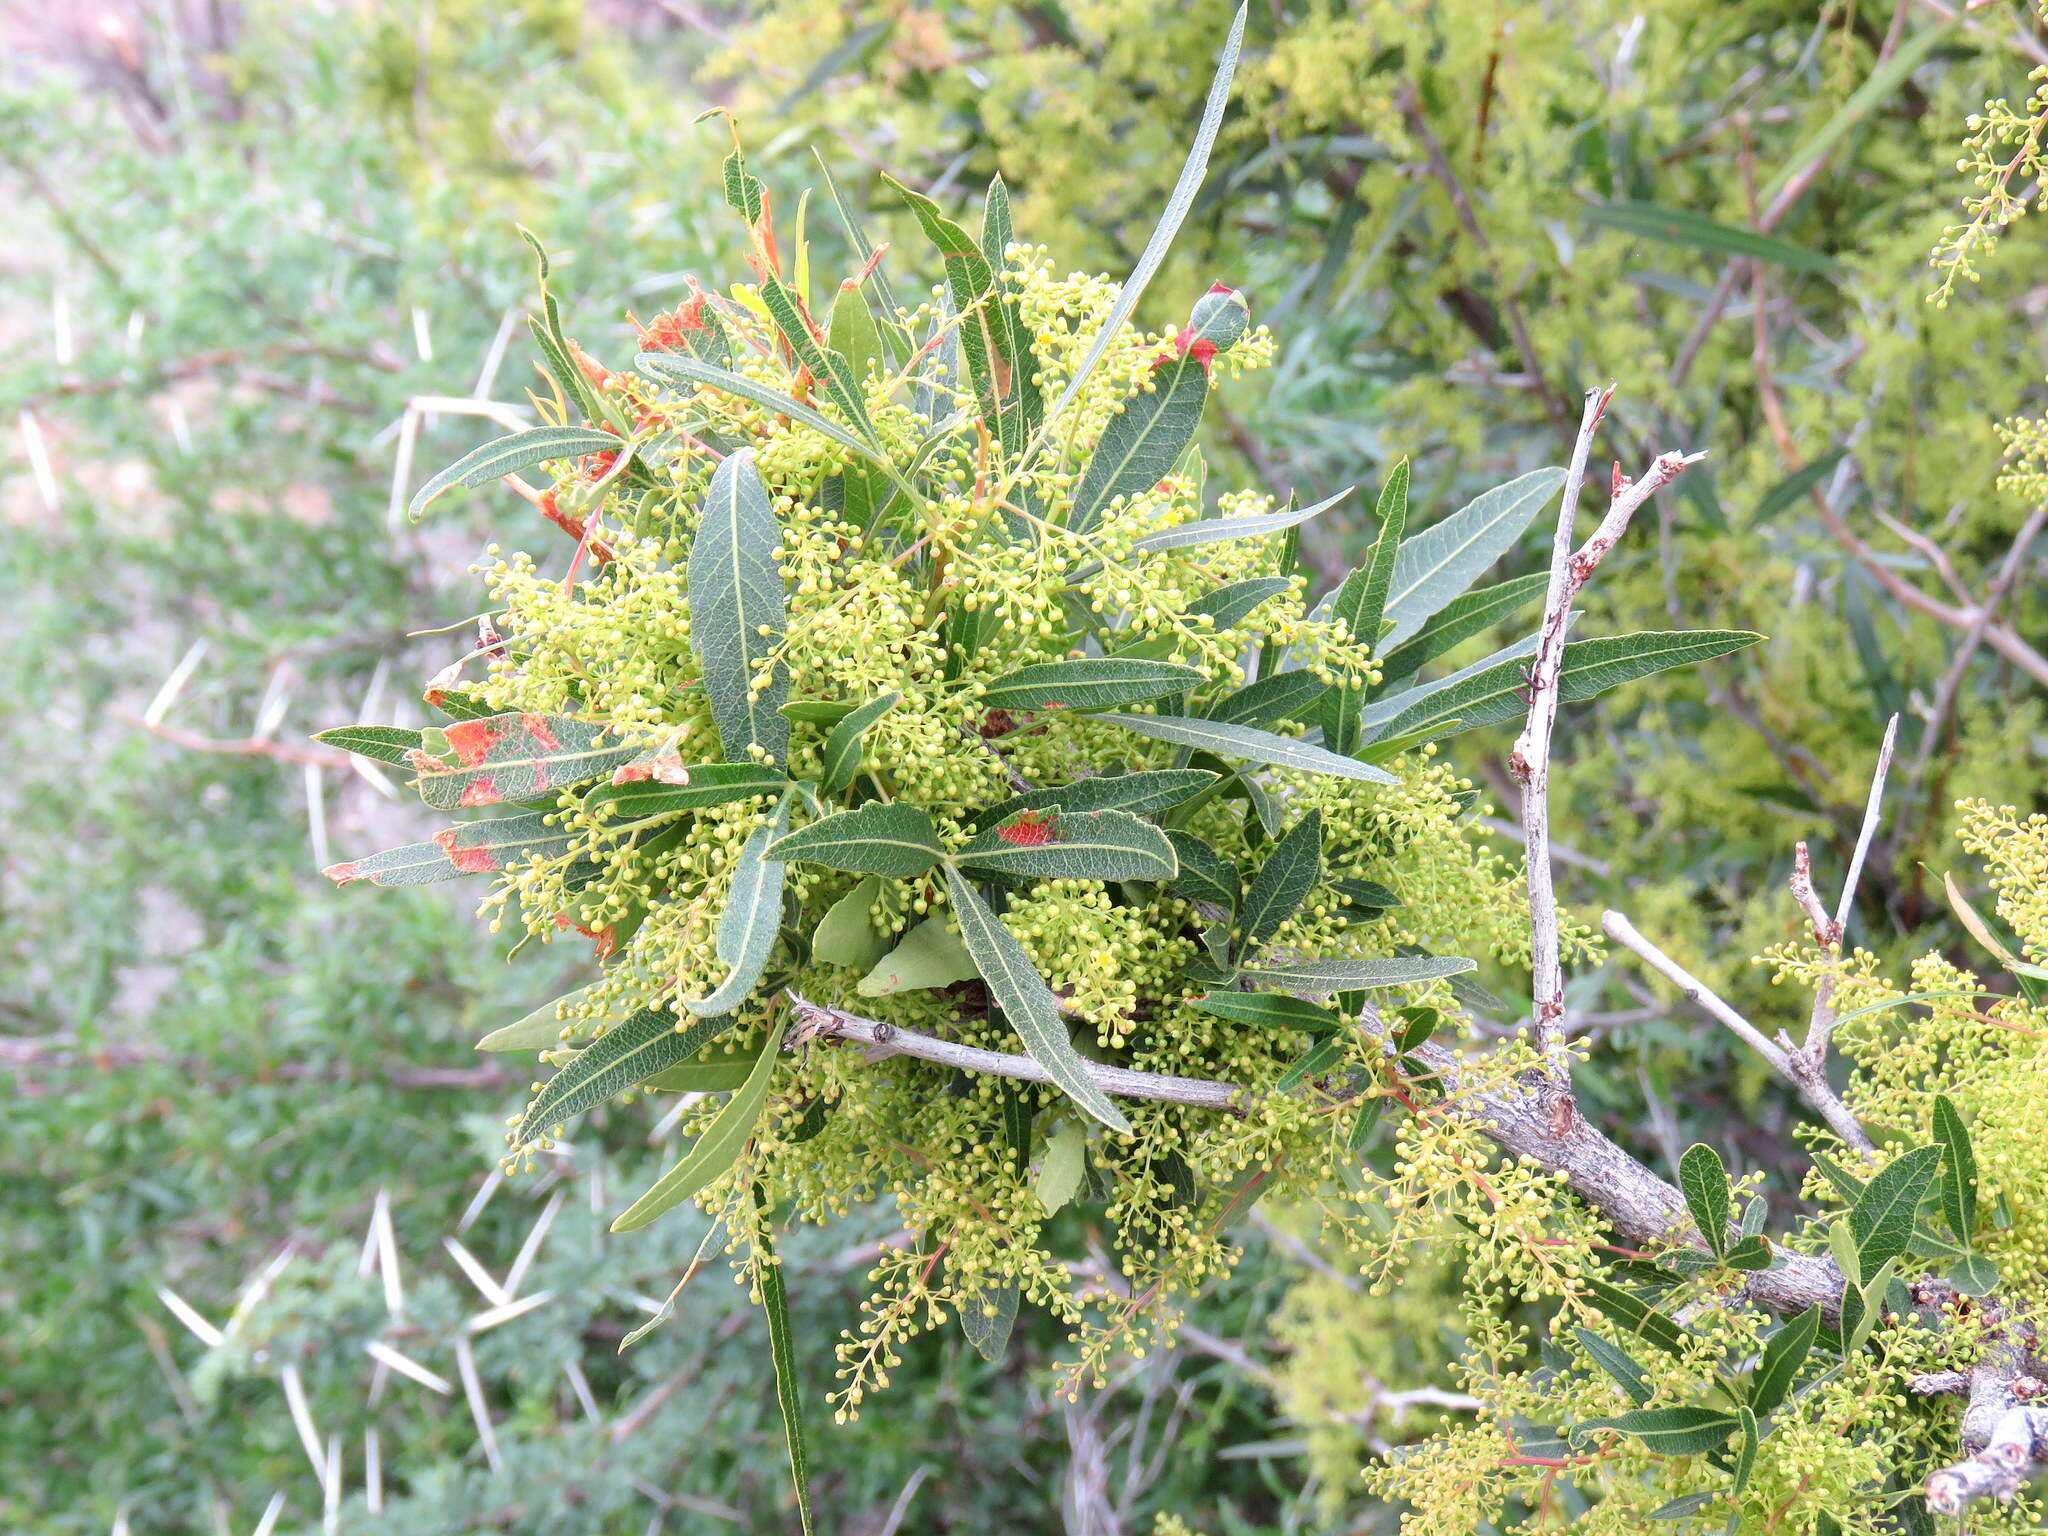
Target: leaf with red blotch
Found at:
504, 758
477, 847
1076, 845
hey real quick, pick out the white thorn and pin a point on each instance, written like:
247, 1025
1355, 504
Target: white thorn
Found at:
480, 1410
316, 815
180, 675
479, 1200
204, 1331
373, 1473
530, 1249
387, 1254
302, 1420
479, 1277
580, 1384
330, 1512
496, 1315
39, 460
405, 1365
270, 1513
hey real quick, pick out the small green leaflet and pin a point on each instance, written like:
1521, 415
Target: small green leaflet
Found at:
842, 747
709, 784
1682, 226
1958, 1169
782, 1355
1794, 487
1280, 696
1745, 1458
929, 955
1073, 845
1088, 683
1205, 875
1591, 667
1026, 1001
1243, 741
1471, 614
987, 1318
720, 1074
1778, 1367
1323, 1053
1141, 794
1448, 556
380, 743
1704, 1180
880, 838
1669, 1431
1277, 1010
673, 368
630, 1052
715, 1151
851, 330
1059, 1171
846, 935
1638, 1317
1974, 1275
509, 455
1144, 440
1882, 1218
1616, 1362
539, 1030
503, 758
748, 926
738, 608
1343, 975
841, 383
1360, 600
1219, 530
1229, 605
1291, 870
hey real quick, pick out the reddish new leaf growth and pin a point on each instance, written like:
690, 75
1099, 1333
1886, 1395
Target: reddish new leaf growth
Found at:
1030, 829
666, 767
342, 874
668, 332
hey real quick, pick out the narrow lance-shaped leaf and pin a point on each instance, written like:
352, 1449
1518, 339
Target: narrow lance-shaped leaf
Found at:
782, 1356
1242, 741
1778, 1367
1291, 870
1882, 1219
503, 758
1348, 975
1704, 1181
1591, 667
1472, 614
1447, 557
474, 848
674, 369
538, 1030
1958, 1169
1228, 606
1087, 683
738, 608
509, 455
1223, 530
880, 838
835, 373
1617, 1363
630, 1052
1360, 601
1270, 1010
1141, 794
706, 785
380, 743
1145, 439
1687, 1431
716, 1150
842, 747
1205, 875
752, 917
1073, 845
1280, 696
1026, 1001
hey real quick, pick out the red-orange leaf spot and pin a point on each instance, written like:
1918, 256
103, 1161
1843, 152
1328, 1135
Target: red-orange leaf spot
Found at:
481, 790
341, 874
536, 726
1029, 829
471, 861
471, 740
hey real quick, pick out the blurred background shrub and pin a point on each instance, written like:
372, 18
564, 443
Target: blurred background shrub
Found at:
259, 255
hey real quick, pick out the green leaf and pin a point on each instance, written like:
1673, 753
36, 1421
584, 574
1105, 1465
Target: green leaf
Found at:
709, 784
1472, 614
1745, 1456
1178, 202
705, 1074
1958, 1169
1359, 602
833, 372
987, 1317
930, 955
1088, 683
1974, 1275
677, 370
1205, 875
880, 838
1778, 1367
782, 1356
1143, 442
1323, 1053
716, 1150
380, 743
1883, 81
1270, 1010
1227, 606
504, 758
842, 747
1059, 1171
1073, 845
509, 455
1026, 1001
1682, 226
1292, 868
631, 1051
748, 926
847, 935
1638, 1317
1219, 530
1344, 975
1750, 1253
1591, 667
1687, 1431
1141, 794
738, 608
1795, 486
1418, 1025
1448, 556
1862, 1306
1242, 741
851, 330
1704, 1181
1616, 1362
476, 847
538, 1031
1280, 696
1882, 1218
1687, 1504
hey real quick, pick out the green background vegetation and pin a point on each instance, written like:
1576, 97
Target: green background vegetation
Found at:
240, 249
